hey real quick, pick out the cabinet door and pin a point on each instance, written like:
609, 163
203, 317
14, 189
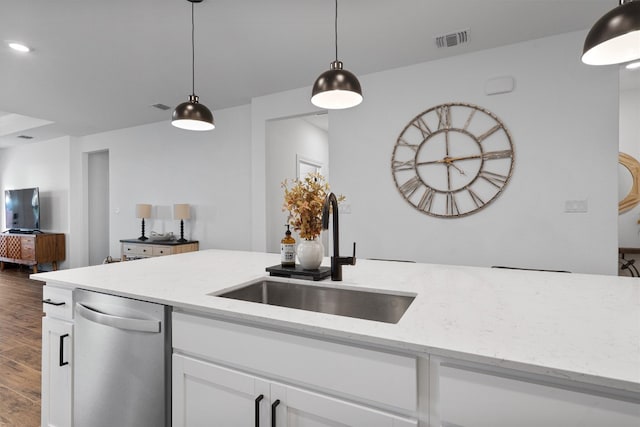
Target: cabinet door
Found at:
208, 395
473, 399
57, 366
13, 247
302, 408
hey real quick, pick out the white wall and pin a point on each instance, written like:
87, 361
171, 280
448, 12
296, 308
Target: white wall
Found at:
286, 140
628, 228
563, 117
161, 165
263, 109
46, 166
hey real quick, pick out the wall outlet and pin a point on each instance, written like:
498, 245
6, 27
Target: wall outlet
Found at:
576, 206
344, 208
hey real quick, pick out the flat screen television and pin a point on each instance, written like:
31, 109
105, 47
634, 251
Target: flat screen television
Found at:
22, 209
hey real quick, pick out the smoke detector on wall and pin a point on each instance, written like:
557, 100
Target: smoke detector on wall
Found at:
452, 39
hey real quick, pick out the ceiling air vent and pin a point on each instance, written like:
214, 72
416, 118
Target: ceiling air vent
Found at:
25, 137
453, 39
161, 107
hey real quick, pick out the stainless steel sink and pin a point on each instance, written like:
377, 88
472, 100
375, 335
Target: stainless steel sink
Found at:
370, 305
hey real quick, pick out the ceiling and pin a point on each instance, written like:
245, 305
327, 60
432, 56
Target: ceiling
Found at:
99, 65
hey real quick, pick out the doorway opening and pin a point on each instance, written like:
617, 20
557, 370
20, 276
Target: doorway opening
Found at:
98, 206
295, 146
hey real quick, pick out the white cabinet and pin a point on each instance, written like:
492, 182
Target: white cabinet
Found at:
205, 394
57, 358
304, 408
471, 398
221, 368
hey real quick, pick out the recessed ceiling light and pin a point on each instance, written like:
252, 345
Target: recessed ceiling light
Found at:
633, 65
19, 47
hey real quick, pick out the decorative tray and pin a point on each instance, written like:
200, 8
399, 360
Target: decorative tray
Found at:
161, 237
298, 272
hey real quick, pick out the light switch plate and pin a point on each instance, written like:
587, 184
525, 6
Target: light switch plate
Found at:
576, 206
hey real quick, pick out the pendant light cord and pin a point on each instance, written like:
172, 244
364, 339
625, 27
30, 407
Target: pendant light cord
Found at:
336, 30
193, 53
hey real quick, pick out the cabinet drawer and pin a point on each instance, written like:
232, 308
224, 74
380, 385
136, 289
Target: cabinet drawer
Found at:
28, 243
474, 399
28, 248
136, 250
59, 302
28, 254
368, 375
161, 250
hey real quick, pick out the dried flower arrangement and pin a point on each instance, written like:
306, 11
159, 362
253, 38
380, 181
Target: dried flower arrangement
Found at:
304, 200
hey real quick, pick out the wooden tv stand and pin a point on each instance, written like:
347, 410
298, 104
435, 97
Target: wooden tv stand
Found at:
32, 249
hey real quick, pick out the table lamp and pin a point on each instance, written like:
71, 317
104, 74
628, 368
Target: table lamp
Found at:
143, 211
181, 212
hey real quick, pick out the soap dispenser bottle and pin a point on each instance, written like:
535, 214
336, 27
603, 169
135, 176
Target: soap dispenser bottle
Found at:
288, 250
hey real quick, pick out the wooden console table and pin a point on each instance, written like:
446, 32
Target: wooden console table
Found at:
135, 249
32, 249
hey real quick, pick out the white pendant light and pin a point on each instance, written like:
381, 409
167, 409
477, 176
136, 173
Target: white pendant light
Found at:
337, 88
192, 115
615, 38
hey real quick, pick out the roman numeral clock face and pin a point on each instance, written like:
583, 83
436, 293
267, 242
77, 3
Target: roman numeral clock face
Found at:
452, 160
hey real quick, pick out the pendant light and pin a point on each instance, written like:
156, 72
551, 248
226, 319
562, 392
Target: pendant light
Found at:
192, 115
615, 38
337, 88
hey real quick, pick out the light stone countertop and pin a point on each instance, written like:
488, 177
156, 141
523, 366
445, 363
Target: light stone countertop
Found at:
578, 327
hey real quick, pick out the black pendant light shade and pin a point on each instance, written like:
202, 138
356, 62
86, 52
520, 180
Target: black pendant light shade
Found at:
615, 38
337, 88
192, 115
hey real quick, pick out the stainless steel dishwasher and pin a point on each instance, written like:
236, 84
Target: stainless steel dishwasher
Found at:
122, 354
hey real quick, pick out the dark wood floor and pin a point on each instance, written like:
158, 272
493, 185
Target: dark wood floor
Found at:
20, 348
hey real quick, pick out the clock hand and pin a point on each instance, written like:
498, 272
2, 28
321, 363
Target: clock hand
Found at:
488, 155
455, 159
448, 160
457, 168
431, 162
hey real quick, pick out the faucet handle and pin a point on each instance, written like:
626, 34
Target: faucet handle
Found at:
353, 258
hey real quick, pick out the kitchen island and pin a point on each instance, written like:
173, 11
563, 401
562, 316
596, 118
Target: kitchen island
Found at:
469, 330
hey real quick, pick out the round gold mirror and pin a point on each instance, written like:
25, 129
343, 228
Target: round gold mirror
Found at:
628, 182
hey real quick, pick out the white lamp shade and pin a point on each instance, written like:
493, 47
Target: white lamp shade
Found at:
181, 211
143, 211
336, 99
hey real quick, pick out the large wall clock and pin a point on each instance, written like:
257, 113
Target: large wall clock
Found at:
452, 160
